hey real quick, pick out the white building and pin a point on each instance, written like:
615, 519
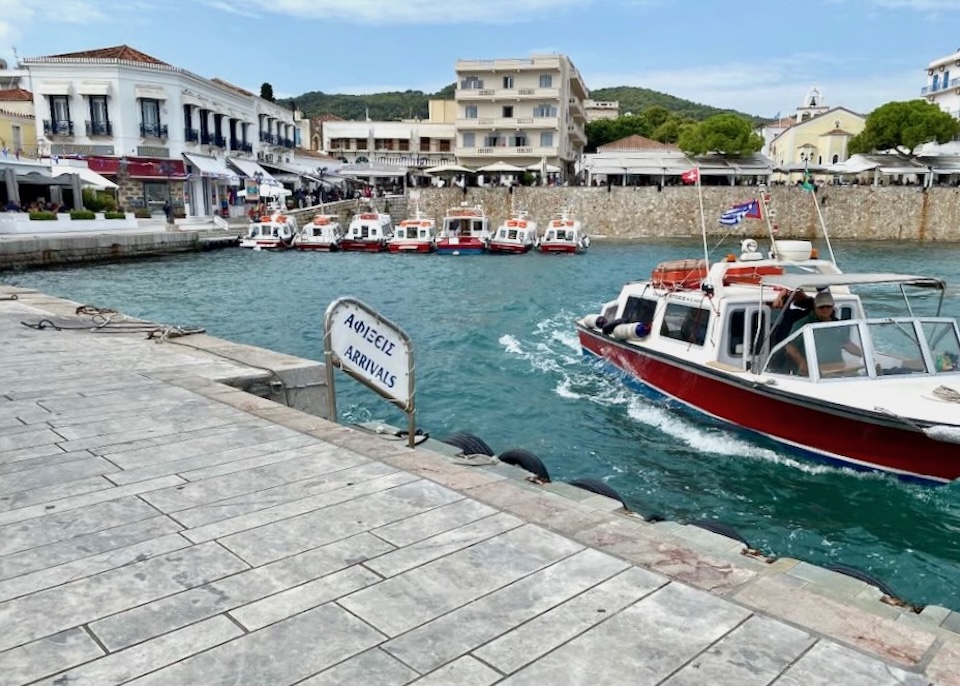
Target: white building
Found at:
601, 109
520, 111
160, 132
943, 83
405, 144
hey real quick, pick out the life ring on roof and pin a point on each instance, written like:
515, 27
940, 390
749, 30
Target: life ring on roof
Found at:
511, 223
751, 274
687, 273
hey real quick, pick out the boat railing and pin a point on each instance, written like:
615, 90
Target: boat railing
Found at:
871, 348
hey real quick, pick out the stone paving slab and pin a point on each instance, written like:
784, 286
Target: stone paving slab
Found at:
157, 527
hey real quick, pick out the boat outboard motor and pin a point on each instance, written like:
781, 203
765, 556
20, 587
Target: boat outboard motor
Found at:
285, 234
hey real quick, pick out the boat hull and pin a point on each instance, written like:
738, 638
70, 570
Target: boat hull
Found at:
361, 246
821, 430
510, 248
560, 248
263, 245
417, 248
317, 247
463, 246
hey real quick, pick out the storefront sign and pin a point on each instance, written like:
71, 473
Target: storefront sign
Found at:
67, 149
252, 189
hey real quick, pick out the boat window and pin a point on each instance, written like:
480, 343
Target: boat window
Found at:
639, 310
685, 323
740, 340
944, 345
837, 352
897, 348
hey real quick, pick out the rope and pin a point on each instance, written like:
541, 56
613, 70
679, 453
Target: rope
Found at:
946, 393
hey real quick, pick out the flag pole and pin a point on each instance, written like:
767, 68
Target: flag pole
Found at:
703, 221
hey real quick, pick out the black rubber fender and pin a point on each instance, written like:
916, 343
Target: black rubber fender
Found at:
598, 487
526, 461
468, 443
720, 528
860, 575
608, 328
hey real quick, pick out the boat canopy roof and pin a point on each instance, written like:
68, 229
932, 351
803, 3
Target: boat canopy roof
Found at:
820, 281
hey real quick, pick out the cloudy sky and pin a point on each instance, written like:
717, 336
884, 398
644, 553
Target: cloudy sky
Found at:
757, 57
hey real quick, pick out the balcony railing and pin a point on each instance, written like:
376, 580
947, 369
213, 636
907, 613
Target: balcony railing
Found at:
246, 147
58, 127
153, 130
206, 138
219, 141
99, 128
191, 135
953, 83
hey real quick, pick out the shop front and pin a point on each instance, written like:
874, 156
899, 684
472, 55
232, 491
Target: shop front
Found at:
145, 184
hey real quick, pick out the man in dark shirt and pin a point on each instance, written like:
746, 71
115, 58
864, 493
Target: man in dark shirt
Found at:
830, 342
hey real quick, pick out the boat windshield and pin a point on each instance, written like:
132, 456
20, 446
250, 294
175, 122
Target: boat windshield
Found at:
869, 348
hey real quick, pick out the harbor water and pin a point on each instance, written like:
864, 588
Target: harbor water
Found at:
497, 356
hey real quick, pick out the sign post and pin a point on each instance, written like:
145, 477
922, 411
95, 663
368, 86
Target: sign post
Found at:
374, 351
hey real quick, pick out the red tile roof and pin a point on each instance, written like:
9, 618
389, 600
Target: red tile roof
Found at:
783, 123
16, 95
227, 84
837, 132
636, 142
118, 52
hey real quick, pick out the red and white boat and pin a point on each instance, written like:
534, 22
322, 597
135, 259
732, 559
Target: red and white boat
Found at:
872, 393
322, 234
465, 231
517, 235
417, 234
564, 235
368, 232
273, 231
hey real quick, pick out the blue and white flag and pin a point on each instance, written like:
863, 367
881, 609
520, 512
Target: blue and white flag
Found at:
737, 213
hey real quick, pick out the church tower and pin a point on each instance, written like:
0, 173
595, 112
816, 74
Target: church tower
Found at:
811, 106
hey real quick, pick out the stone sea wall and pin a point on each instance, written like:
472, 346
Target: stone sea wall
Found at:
850, 212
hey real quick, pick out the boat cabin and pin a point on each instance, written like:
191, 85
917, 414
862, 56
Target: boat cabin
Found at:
370, 226
412, 229
463, 223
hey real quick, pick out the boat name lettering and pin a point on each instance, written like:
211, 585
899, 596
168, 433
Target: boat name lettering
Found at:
370, 335
368, 365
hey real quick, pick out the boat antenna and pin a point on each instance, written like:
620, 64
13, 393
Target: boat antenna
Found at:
703, 220
768, 215
823, 224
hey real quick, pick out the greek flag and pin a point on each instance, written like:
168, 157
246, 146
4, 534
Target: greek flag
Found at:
737, 213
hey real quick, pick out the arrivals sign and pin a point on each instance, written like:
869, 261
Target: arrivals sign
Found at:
371, 349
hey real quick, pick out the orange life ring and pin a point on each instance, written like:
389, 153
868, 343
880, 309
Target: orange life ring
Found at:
522, 225
511, 223
679, 273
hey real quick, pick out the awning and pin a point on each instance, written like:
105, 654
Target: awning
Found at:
213, 168
251, 169
54, 88
94, 88
88, 177
140, 167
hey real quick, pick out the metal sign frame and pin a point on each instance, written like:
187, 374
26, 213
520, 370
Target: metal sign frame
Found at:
332, 360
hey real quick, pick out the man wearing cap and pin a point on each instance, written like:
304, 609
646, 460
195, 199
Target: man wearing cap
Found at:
830, 342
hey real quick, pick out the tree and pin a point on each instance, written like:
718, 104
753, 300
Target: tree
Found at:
656, 115
726, 134
902, 126
266, 92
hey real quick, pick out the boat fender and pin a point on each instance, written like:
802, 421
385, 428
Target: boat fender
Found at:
944, 434
598, 487
608, 328
631, 332
468, 443
526, 461
594, 321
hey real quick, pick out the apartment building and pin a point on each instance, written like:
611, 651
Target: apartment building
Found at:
943, 83
412, 143
521, 112
158, 131
601, 109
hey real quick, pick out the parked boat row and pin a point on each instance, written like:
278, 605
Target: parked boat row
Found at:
464, 230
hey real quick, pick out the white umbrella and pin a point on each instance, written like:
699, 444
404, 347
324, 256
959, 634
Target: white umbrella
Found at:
448, 169
501, 168
547, 168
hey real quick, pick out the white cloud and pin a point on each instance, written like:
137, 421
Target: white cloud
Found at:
406, 11
777, 85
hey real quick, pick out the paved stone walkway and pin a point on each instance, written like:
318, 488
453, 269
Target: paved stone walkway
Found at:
158, 527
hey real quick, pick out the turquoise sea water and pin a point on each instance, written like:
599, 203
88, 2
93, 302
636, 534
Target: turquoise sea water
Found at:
497, 356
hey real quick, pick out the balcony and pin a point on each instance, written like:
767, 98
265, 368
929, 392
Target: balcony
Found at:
219, 141
191, 135
267, 138
507, 152
953, 83
509, 123
99, 128
153, 130
548, 94
58, 127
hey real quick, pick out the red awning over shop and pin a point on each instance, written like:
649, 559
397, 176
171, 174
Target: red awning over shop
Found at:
140, 167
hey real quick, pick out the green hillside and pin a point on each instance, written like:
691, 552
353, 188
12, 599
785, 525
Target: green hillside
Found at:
635, 100
413, 104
